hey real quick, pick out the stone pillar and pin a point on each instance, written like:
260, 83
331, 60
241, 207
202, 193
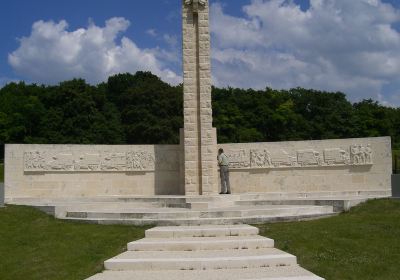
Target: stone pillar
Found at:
200, 144
1, 194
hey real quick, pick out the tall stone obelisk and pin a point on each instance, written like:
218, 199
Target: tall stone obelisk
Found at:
200, 138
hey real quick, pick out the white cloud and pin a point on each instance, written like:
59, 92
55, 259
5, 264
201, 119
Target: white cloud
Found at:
171, 40
350, 46
152, 32
52, 53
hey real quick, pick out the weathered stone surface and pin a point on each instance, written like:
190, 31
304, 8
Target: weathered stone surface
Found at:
311, 166
229, 252
57, 171
199, 137
249, 173
1, 194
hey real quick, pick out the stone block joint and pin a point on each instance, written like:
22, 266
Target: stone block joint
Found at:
198, 141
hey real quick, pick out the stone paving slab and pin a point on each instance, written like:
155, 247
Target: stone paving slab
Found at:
260, 219
201, 231
199, 260
201, 243
294, 272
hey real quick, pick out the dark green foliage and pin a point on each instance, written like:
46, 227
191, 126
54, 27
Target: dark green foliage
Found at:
73, 112
142, 109
299, 114
151, 110
396, 162
372, 119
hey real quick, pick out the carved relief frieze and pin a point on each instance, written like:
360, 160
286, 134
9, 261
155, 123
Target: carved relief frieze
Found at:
238, 159
196, 2
99, 161
140, 161
361, 154
303, 158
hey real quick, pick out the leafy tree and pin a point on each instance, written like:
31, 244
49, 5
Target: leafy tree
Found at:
142, 109
151, 110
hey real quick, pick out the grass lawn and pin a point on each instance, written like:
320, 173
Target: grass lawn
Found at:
362, 244
34, 245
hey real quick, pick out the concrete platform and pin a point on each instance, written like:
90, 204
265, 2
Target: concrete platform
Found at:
270, 273
200, 260
201, 231
1, 195
201, 243
251, 208
204, 252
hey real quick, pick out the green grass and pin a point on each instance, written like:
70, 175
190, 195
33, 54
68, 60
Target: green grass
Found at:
363, 244
1, 172
34, 245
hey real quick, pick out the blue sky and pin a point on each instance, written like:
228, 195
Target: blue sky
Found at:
336, 45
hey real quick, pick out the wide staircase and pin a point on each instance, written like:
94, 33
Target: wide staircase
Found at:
211, 252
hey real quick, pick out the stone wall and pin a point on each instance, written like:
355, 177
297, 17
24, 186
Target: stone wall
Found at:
1, 194
346, 165
200, 138
329, 166
62, 171
396, 185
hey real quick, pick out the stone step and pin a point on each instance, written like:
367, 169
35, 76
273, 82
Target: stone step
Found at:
203, 221
315, 195
166, 200
200, 260
201, 243
338, 205
201, 231
239, 211
292, 272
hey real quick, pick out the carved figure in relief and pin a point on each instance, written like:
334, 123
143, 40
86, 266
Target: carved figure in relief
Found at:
34, 160
355, 154
368, 154
336, 156
139, 161
88, 162
238, 159
196, 3
282, 159
361, 154
116, 161
309, 158
260, 158
64, 162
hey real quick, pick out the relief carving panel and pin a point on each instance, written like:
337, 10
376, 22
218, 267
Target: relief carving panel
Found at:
266, 158
238, 159
101, 161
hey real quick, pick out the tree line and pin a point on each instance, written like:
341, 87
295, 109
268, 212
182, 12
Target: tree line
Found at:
142, 109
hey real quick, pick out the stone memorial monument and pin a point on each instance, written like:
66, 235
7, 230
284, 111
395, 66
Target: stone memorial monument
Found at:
200, 138
328, 168
1, 194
